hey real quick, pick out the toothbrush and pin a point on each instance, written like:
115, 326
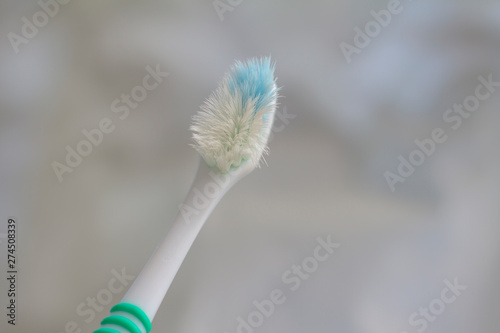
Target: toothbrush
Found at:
230, 132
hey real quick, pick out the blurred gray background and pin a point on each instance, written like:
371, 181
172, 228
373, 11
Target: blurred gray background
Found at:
348, 122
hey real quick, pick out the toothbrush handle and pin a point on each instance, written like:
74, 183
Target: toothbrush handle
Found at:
139, 305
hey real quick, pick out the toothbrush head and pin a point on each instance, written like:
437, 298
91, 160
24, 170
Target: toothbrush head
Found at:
234, 123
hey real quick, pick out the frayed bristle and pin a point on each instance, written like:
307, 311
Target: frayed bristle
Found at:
234, 123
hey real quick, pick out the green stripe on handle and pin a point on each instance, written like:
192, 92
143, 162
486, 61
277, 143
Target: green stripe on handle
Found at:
125, 322
106, 330
135, 311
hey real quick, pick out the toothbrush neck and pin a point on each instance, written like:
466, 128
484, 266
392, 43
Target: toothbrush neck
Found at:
209, 186
207, 190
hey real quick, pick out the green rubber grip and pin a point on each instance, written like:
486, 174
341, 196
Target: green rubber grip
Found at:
125, 322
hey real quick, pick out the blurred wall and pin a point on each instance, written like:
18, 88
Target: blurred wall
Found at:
361, 81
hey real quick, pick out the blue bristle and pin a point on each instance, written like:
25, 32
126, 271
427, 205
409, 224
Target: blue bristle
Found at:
254, 80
